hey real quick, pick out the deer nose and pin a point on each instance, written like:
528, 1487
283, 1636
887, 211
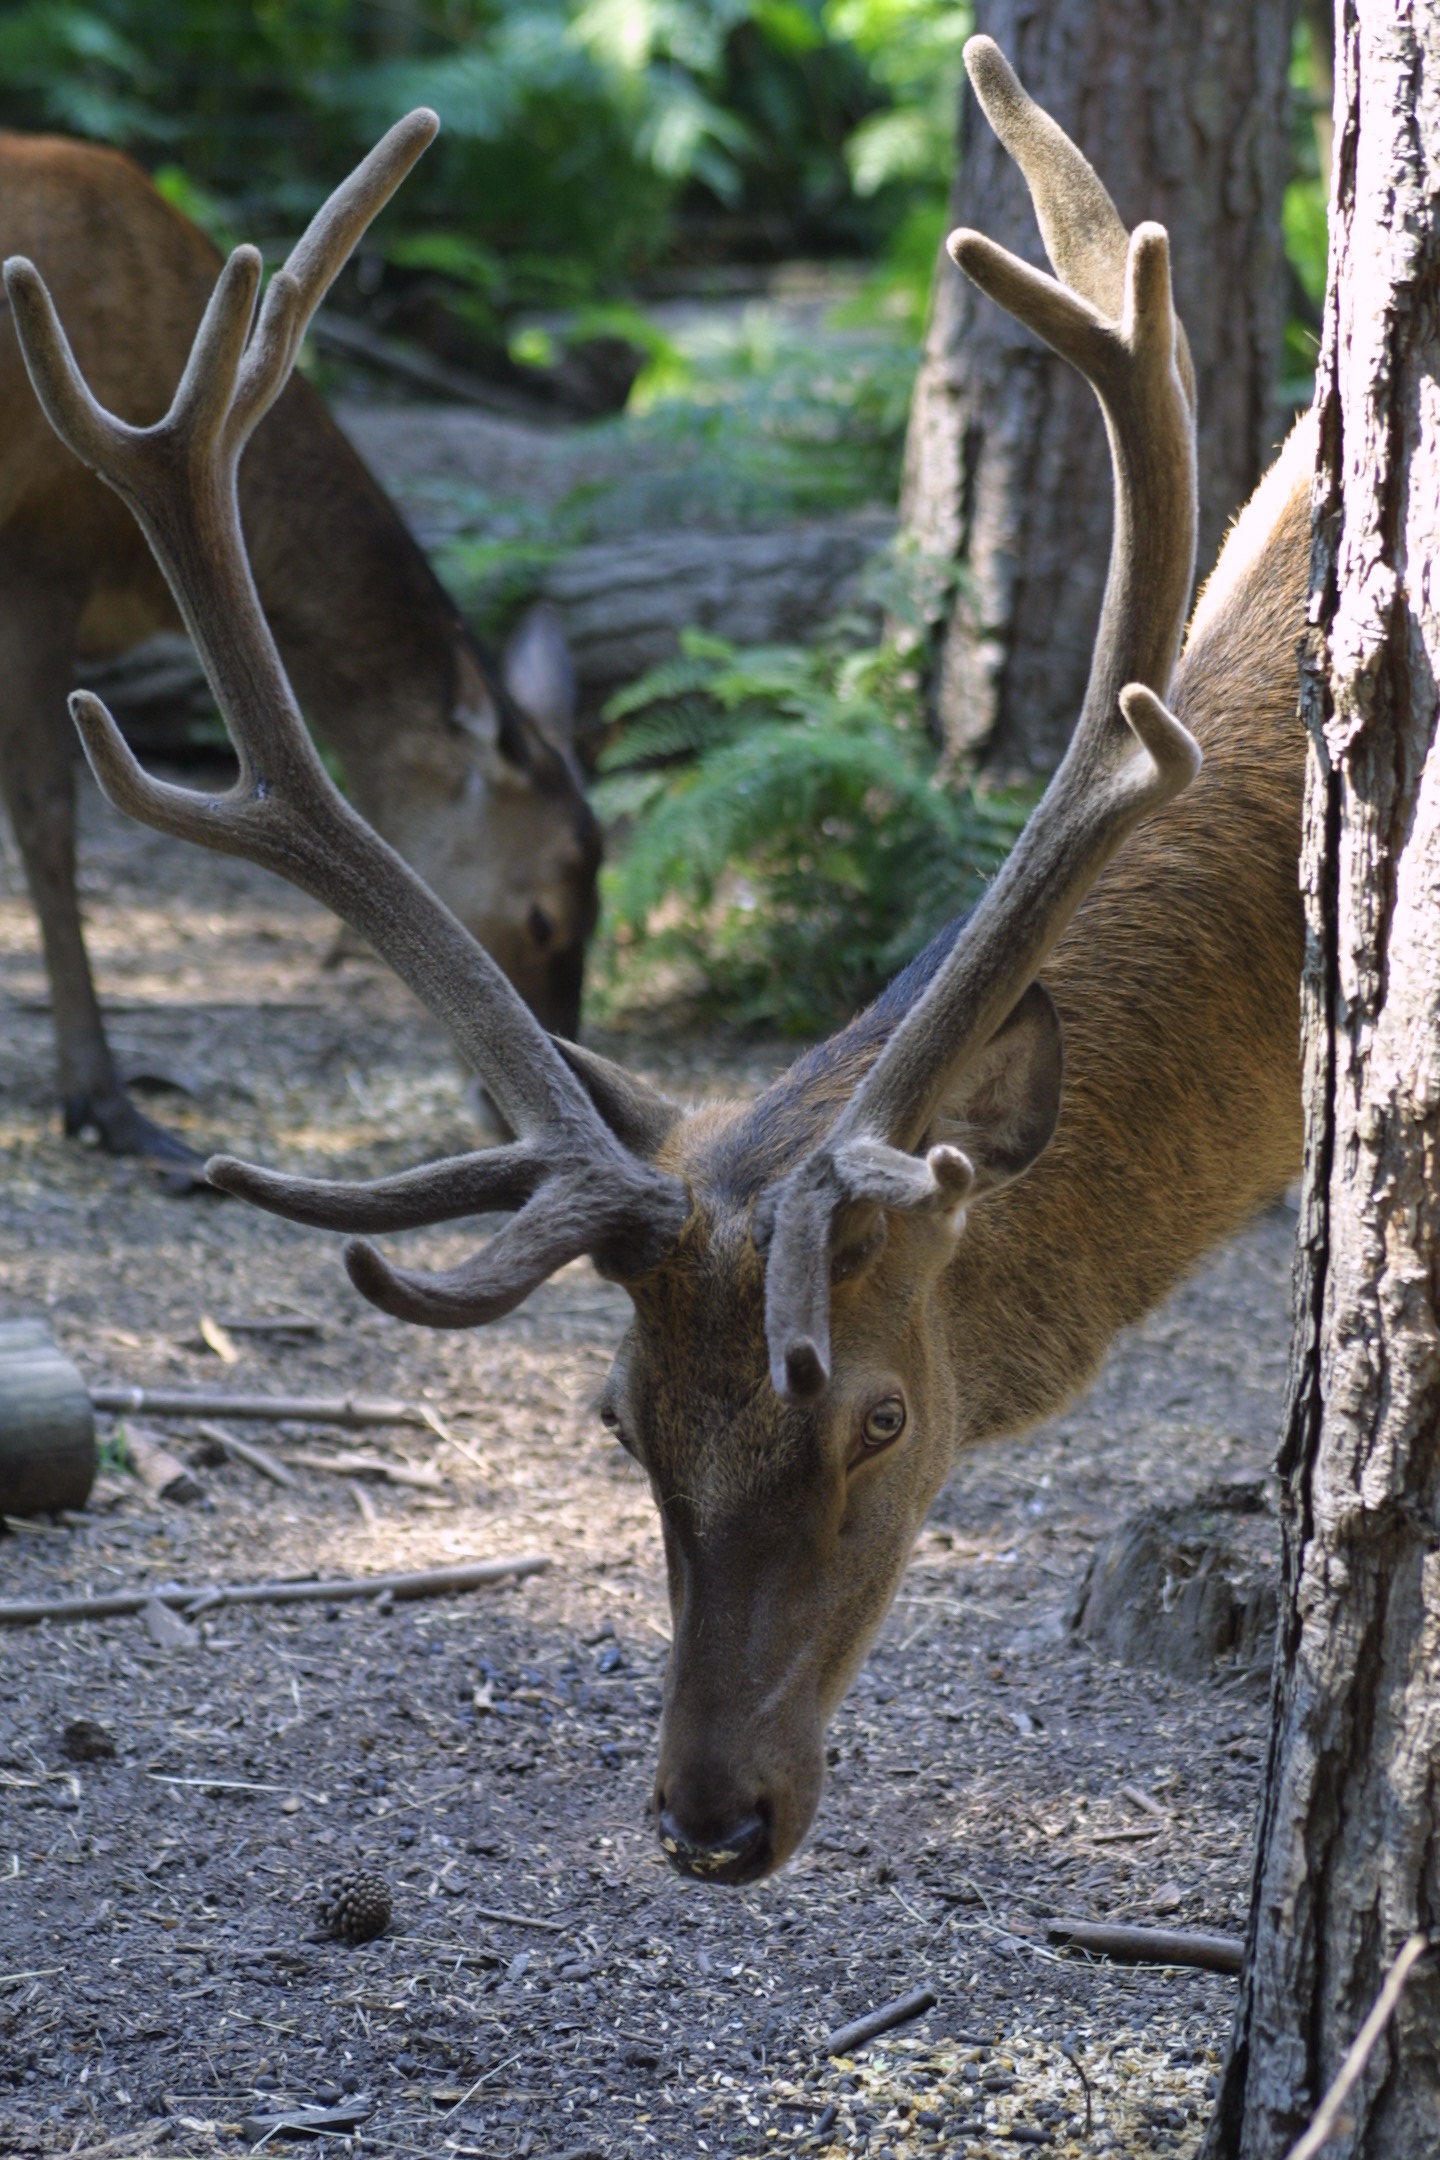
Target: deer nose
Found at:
740, 1855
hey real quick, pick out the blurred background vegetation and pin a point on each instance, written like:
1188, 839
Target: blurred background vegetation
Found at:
588, 144
782, 835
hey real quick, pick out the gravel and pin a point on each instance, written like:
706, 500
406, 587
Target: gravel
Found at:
490, 1755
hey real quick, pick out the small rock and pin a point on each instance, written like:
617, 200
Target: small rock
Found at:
85, 1741
166, 1629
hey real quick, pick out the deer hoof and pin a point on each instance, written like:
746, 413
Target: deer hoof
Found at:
112, 1122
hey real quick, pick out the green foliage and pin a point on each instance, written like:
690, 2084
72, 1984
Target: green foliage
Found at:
791, 842
112, 1454
1305, 216
582, 140
743, 418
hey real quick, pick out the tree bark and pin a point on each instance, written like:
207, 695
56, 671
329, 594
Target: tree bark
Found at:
1182, 110
1348, 1856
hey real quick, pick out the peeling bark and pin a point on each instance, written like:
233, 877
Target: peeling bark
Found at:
1348, 1856
1182, 111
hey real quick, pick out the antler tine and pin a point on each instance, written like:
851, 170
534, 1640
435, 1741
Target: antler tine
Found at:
435, 1192
570, 1175
533, 1244
1083, 232
205, 395
1109, 313
317, 259
77, 416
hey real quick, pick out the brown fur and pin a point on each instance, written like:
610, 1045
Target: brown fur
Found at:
1177, 985
435, 754
788, 1525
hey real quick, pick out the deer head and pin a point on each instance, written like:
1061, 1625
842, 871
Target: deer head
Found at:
504, 765
795, 1379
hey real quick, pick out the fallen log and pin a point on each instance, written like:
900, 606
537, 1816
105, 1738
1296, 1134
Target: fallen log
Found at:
408, 364
1149, 1946
622, 604
208, 1597
47, 1426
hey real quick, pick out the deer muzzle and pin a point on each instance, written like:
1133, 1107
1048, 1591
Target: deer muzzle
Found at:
736, 1852
742, 1744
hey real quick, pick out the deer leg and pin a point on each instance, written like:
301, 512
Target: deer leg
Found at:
36, 658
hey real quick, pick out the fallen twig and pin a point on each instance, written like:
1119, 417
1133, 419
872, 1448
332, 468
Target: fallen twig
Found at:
883, 2020
442, 1431
520, 1919
429, 1582
357, 340
158, 1470
352, 1466
483, 2079
275, 1324
1145, 1801
245, 1451
310, 2122
1326, 2121
1149, 1946
370, 1514
1070, 2049
216, 1337
206, 1402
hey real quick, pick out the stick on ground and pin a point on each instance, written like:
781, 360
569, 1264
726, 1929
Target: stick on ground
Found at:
208, 1402
1149, 1946
245, 1451
883, 2020
1326, 2122
430, 1582
420, 1475
158, 1470
519, 1919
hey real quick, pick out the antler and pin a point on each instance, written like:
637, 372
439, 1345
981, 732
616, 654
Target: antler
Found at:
1109, 312
577, 1188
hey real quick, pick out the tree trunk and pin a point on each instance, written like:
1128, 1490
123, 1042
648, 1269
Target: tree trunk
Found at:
1182, 110
1348, 1856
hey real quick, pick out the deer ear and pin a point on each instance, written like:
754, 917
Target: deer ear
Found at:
1003, 1109
640, 1117
539, 672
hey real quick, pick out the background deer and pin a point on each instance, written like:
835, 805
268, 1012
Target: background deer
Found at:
435, 751
838, 1287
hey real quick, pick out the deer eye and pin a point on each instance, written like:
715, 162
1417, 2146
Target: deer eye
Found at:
614, 1424
884, 1423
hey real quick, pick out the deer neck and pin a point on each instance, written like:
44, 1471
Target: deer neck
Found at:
366, 632
1178, 988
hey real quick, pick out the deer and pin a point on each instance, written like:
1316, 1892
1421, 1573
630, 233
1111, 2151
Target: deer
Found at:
926, 1232
467, 783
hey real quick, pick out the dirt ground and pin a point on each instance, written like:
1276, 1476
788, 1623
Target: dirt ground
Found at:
492, 1753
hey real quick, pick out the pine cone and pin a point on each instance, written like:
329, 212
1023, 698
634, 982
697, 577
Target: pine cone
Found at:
358, 1906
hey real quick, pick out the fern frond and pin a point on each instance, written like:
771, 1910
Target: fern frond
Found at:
795, 842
